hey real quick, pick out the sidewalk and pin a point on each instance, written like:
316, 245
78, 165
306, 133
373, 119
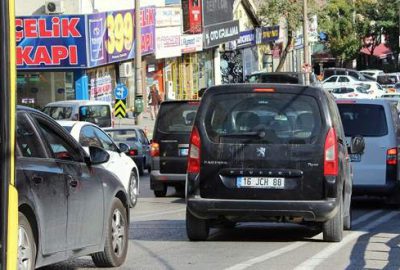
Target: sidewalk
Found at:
146, 124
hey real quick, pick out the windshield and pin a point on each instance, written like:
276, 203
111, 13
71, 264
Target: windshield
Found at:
263, 118
387, 79
123, 135
96, 114
177, 117
363, 119
59, 113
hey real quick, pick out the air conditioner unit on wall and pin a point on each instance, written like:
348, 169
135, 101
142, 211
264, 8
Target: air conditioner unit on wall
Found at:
54, 6
125, 70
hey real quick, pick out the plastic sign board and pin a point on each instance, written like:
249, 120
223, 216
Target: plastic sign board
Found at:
121, 91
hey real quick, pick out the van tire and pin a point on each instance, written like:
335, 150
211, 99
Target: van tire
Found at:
347, 221
196, 229
333, 229
159, 193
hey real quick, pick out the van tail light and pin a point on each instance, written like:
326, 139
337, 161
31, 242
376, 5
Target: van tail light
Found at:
155, 149
331, 157
132, 152
194, 152
391, 157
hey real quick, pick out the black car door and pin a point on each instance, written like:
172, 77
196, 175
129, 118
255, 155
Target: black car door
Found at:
84, 188
42, 178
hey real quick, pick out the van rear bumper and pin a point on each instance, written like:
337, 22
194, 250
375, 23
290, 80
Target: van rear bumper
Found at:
158, 180
321, 210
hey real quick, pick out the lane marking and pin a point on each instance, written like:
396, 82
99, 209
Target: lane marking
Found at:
278, 252
161, 213
321, 256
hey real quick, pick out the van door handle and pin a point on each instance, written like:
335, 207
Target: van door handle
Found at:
37, 180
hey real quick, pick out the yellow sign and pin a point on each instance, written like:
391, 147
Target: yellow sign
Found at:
120, 108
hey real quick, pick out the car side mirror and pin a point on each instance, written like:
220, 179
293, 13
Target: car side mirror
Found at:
357, 145
98, 155
123, 147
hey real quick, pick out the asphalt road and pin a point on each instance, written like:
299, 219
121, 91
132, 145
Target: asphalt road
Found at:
158, 241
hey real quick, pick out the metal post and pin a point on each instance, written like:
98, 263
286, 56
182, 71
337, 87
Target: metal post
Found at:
305, 37
138, 58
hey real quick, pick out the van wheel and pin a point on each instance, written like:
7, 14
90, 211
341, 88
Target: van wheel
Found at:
333, 228
26, 244
116, 245
161, 192
196, 229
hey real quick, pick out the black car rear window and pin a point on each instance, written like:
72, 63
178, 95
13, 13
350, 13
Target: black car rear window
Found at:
368, 120
177, 117
271, 118
274, 78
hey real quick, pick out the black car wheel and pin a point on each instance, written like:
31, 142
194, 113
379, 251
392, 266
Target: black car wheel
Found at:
116, 245
26, 244
133, 189
196, 229
161, 192
333, 228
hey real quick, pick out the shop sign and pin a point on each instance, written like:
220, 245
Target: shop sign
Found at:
270, 33
192, 16
97, 32
50, 42
168, 16
217, 11
246, 39
191, 43
168, 42
220, 33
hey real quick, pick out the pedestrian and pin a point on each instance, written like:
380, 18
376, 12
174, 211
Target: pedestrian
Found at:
154, 100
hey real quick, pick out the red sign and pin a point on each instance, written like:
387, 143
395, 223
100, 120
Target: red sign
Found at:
192, 18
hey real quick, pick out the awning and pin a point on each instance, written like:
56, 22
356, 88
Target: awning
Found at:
381, 51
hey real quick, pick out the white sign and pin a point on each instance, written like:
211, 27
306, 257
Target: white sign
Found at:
168, 42
168, 16
192, 43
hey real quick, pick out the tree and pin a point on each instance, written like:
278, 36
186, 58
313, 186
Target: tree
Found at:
291, 11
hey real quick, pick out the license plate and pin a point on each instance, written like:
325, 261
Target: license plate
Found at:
183, 152
261, 182
355, 157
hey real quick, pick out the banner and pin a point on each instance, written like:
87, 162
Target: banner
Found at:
192, 16
220, 33
50, 42
168, 16
97, 33
168, 42
191, 43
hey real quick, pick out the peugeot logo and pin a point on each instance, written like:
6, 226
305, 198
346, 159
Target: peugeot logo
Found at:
261, 152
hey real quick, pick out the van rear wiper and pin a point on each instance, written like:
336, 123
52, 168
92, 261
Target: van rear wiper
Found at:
252, 134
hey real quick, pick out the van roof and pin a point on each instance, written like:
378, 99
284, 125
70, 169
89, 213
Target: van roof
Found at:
77, 102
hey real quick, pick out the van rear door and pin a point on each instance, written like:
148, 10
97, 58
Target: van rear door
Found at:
262, 145
173, 126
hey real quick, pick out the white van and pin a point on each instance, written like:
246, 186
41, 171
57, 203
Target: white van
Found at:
96, 112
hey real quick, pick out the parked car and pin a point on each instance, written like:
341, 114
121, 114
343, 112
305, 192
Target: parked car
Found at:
261, 152
375, 171
69, 206
170, 145
389, 80
96, 112
282, 77
351, 92
328, 72
338, 81
372, 72
138, 143
88, 134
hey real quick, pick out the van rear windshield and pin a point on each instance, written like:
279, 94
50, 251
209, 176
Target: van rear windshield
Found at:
96, 114
275, 78
177, 117
271, 118
367, 120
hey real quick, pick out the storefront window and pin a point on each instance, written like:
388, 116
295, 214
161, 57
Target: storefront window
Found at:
36, 89
102, 81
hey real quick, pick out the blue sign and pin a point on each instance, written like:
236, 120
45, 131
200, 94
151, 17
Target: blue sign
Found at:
121, 91
247, 39
51, 42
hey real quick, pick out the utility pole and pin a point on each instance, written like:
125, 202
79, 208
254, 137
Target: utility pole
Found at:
138, 62
305, 41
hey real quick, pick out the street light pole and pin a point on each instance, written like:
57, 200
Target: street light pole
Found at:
138, 60
305, 39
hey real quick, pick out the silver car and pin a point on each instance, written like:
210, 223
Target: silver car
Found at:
375, 171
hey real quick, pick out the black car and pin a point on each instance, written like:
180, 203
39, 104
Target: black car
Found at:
170, 145
262, 152
139, 145
68, 206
